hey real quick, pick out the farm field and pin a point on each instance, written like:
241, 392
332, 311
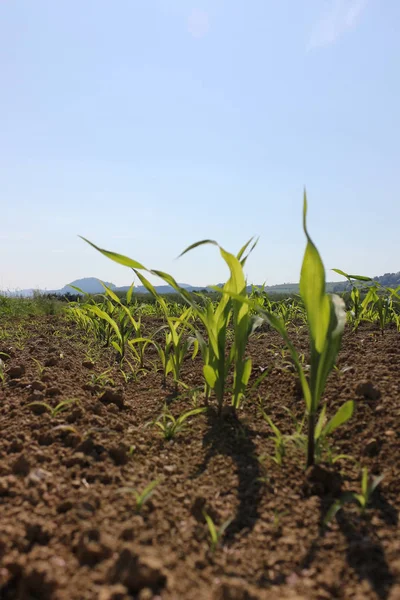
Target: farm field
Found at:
68, 531
225, 448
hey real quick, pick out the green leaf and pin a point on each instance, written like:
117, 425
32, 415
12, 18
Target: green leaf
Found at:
74, 287
320, 423
345, 498
106, 317
357, 277
210, 376
196, 245
312, 290
118, 258
212, 529
129, 294
191, 413
343, 414
111, 293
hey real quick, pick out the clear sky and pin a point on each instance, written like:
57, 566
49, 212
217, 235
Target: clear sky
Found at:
146, 125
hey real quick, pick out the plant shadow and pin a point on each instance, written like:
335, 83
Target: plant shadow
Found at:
364, 552
230, 437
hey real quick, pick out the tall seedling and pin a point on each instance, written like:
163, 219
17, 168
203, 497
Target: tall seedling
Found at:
216, 319
325, 320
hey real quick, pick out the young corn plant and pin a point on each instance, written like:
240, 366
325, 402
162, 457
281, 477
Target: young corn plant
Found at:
177, 343
176, 346
280, 440
216, 533
363, 499
169, 425
326, 318
144, 496
54, 412
217, 359
357, 307
40, 367
323, 429
2, 370
130, 327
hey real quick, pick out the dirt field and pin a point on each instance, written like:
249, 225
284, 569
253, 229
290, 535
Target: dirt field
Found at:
69, 532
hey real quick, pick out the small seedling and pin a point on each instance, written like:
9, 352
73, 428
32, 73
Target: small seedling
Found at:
102, 379
40, 367
170, 426
362, 500
279, 440
142, 497
215, 533
2, 371
61, 407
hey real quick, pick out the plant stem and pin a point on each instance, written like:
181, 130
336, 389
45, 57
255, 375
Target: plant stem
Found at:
311, 445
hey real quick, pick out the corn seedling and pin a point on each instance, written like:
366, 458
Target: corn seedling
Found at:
2, 371
144, 496
177, 343
322, 431
40, 367
279, 439
102, 379
214, 532
362, 500
169, 425
54, 412
325, 319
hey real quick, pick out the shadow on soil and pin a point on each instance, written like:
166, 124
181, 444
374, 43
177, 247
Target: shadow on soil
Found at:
230, 437
364, 552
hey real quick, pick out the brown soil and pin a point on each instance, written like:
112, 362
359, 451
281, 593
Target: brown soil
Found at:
68, 531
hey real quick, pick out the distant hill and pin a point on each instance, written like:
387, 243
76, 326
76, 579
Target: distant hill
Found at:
89, 285
92, 285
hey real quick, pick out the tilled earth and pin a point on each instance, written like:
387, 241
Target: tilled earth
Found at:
70, 531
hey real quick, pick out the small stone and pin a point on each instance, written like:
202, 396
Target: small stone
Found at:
114, 592
38, 475
88, 364
367, 390
16, 372
390, 433
87, 446
78, 459
21, 466
145, 594
372, 447
111, 396
119, 454
137, 571
169, 469
15, 446
52, 361
37, 408
51, 392
64, 506
38, 385
92, 549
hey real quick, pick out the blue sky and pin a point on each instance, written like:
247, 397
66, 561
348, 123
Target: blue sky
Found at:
148, 125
